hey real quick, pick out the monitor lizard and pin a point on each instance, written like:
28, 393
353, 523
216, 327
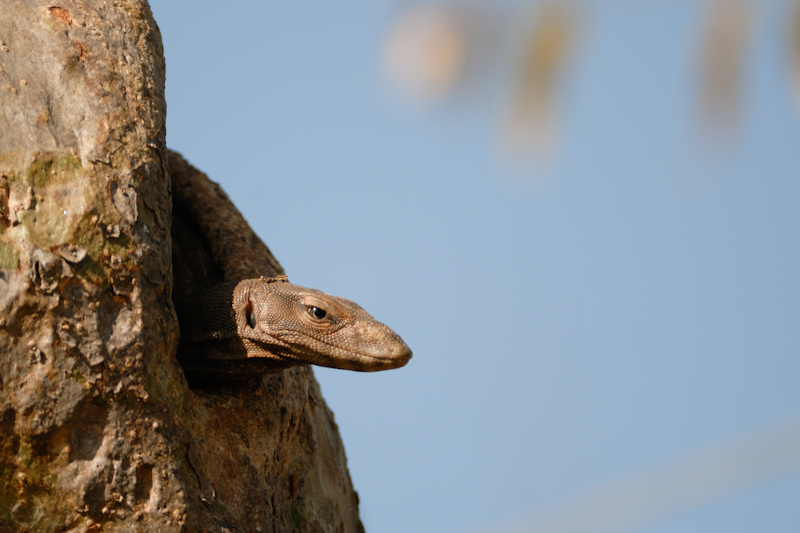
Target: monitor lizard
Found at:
269, 324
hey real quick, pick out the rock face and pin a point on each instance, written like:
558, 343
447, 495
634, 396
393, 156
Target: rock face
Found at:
98, 428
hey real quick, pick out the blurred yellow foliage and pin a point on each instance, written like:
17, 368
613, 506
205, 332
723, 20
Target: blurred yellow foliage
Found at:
530, 118
431, 46
424, 54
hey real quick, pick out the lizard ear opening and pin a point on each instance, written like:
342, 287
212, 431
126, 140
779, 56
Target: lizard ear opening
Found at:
248, 313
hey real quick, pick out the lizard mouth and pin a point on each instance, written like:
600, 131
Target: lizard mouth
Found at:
337, 356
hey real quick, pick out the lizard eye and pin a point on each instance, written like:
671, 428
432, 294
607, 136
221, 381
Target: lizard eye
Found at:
317, 312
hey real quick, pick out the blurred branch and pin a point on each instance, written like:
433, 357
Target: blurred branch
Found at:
697, 479
722, 61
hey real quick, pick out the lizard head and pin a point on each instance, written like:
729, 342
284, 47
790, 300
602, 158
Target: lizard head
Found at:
309, 326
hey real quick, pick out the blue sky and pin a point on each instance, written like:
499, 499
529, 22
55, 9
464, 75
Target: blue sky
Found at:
638, 302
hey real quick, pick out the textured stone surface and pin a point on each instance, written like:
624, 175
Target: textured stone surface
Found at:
99, 430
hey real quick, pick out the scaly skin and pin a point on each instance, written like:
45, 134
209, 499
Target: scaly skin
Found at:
262, 325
